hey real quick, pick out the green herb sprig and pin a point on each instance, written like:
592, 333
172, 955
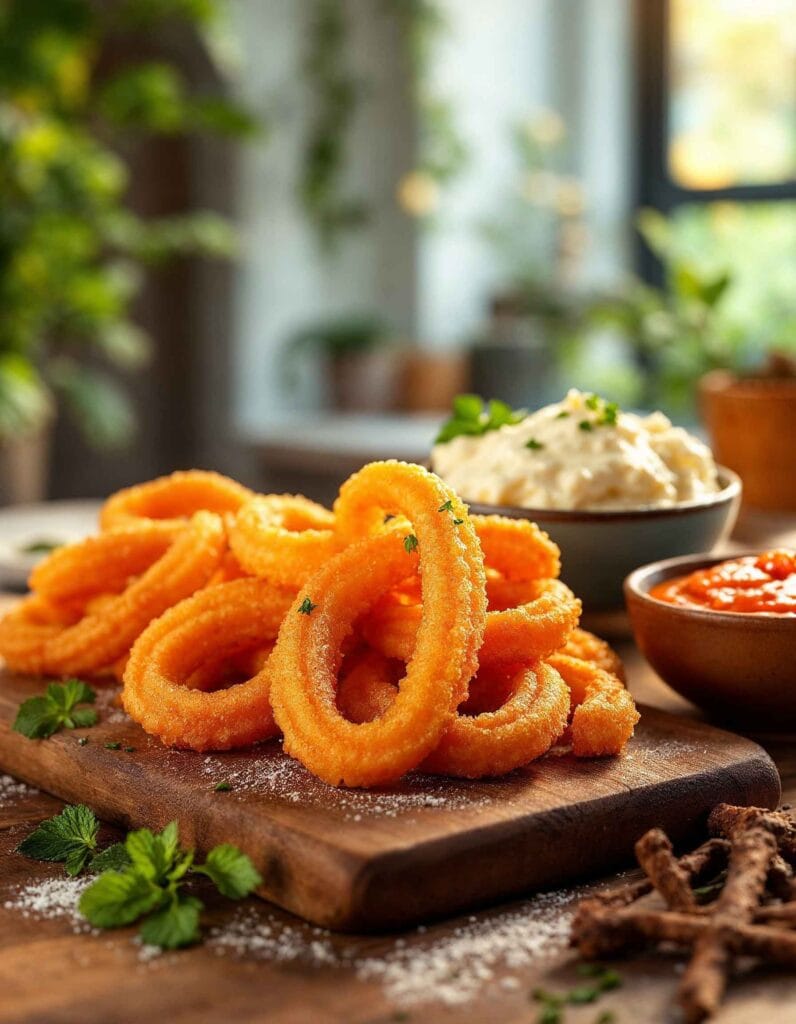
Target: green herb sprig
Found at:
69, 837
410, 543
552, 1004
307, 607
141, 879
40, 717
472, 416
150, 887
607, 412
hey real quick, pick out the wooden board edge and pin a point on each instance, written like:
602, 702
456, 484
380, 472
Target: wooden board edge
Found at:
503, 859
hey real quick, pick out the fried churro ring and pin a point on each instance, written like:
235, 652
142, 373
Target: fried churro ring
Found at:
174, 499
604, 714
284, 538
588, 647
522, 728
102, 564
530, 632
382, 490
517, 548
308, 651
368, 687
523, 723
98, 639
227, 620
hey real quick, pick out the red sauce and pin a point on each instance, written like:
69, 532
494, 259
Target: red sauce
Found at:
766, 583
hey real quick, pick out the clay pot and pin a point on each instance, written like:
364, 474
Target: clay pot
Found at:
432, 379
365, 381
24, 465
752, 426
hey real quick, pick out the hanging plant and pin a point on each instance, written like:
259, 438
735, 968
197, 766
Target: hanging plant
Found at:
335, 95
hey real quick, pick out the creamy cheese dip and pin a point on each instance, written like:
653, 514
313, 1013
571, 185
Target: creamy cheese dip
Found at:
572, 455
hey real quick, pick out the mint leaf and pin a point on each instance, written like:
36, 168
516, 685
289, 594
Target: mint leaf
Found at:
112, 858
77, 692
153, 855
470, 416
40, 717
70, 836
231, 871
36, 719
175, 925
76, 860
118, 898
468, 407
81, 718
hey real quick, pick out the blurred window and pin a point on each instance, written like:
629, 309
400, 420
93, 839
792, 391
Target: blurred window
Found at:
717, 126
731, 85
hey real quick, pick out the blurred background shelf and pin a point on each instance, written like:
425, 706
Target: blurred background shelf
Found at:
311, 454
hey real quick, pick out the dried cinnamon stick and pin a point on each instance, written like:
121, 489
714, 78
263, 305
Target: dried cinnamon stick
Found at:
605, 932
704, 862
705, 978
725, 819
673, 882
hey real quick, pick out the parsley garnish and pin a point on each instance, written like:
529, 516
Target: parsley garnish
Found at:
553, 1003
40, 717
446, 506
40, 547
307, 607
129, 750
471, 416
116, 745
562, 415
150, 887
458, 522
222, 787
585, 425
70, 836
410, 543
534, 445
607, 412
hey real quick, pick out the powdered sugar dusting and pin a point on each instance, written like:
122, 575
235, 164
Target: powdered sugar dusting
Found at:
52, 898
271, 772
451, 969
267, 938
108, 705
483, 951
11, 789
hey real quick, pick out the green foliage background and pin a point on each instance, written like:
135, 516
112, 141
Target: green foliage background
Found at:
72, 252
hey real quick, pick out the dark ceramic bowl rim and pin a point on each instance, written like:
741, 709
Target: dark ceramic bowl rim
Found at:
637, 585
730, 489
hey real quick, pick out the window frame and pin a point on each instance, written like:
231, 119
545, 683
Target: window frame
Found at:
654, 185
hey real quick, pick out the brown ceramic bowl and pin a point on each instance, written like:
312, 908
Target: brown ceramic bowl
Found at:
738, 666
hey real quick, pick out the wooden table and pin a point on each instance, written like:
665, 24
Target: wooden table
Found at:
49, 974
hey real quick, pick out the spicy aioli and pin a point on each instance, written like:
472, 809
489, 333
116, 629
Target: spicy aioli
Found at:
766, 583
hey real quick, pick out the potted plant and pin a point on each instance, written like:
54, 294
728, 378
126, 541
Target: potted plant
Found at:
750, 419
360, 361
71, 250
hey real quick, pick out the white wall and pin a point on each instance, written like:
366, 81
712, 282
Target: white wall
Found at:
502, 59
285, 281
506, 58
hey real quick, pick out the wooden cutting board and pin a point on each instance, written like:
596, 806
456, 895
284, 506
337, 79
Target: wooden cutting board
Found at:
348, 859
